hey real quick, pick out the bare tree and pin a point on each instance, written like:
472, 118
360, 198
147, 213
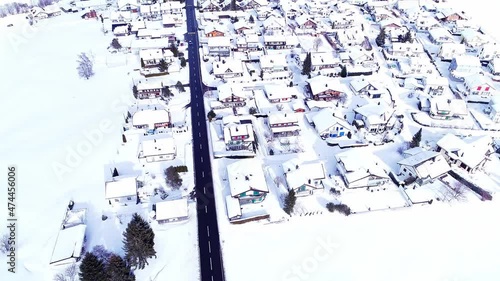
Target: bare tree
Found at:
458, 191
278, 180
4, 244
317, 43
342, 98
59, 277
71, 272
85, 66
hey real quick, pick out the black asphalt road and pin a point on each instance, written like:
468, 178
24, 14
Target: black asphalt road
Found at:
211, 268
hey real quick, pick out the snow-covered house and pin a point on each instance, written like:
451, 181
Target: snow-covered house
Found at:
479, 85
155, 150
273, 24
375, 117
325, 88
70, 240
278, 93
228, 68
153, 57
219, 46
440, 35
394, 29
215, 30
231, 96
150, 119
494, 66
359, 174
128, 5
472, 38
275, 42
470, 153
233, 208
149, 89
423, 23
121, 191
442, 108
407, 50
171, 7
448, 14
342, 21
304, 178
359, 57
283, 124
488, 51
493, 109
379, 14
361, 86
171, 211
416, 67
330, 126
239, 137
448, 51
435, 84
423, 166
305, 24
247, 181
273, 63
321, 61
210, 6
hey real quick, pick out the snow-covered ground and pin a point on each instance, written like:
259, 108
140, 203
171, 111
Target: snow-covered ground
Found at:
61, 132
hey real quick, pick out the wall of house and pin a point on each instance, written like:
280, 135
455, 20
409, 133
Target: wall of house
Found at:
406, 172
123, 201
172, 220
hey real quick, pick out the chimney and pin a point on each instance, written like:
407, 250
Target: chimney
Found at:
155, 140
246, 178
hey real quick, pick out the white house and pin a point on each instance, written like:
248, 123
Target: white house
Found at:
448, 51
330, 126
473, 38
69, 245
442, 108
479, 85
375, 117
407, 50
321, 61
488, 51
423, 166
121, 191
219, 46
469, 153
305, 178
155, 150
493, 109
435, 85
358, 174
465, 65
239, 137
150, 119
494, 67
440, 35
273, 63
228, 68
152, 57
416, 67
247, 181
283, 124
362, 85
171, 211
233, 208
279, 92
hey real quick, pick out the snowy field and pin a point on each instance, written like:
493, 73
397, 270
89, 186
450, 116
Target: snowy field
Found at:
60, 131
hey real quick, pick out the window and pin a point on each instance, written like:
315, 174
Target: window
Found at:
117, 200
404, 169
479, 88
129, 198
486, 89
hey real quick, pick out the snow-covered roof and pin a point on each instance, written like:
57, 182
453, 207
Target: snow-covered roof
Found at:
357, 84
471, 151
328, 58
279, 91
413, 151
273, 60
427, 164
245, 175
69, 244
325, 119
274, 22
150, 117
236, 130
454, 106
467, 60
210, 27
233, 207
302, 19
227, 90
161, 146
376, 113
166, 210
221, 41
321, 83
75, 217
435, 80
151, 54
355, 169
149, 43
227, 66
282, 118
475, 80
122, 187
440, 32
406, 47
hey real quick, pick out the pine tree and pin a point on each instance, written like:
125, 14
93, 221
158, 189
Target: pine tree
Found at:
183, 62
163, 66
232, 6
380, 40
415, 141
115, 173
143, 65
175, 51
290, 201
343, 71
124, 139
180, 87
118, 270
85, 66
306, 67
165, 91
211, 115
92, 269
134, 91
115, 44
251, 19
138, 242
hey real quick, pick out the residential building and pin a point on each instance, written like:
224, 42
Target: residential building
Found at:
342, 21
353, 36
69, 245
325, 88
239, 137
247, 181
360, 174
494, 66
493, 109
283, 124
305, 23
219, 46
171, 211
321, 61
233, 208
479, 85
362, 86
149, 89
424, 166
156, 150
304, 178
407, 50
276, 93
488, 51
151, 120
153, 57
442, 108
273, 63
448, 51
470, 153
416, 67
435, 85
273, 24
473, 39
330, 126
172, 7
426, 23
215, 30
231, 96
375, 117
121, 191
228, 68
440, 35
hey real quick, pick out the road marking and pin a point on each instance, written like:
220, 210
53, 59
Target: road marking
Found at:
211, 268
200, 146
204, 191
206, 210
212, 277
199, 134
201, 159
208, 232
197, 113
202, 174
198, 123
196, 104
209, 248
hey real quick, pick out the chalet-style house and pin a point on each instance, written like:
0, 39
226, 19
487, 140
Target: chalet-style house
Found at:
152, 57
426, 23
283, 124
440, 35
442, 108
171, 211
349, 37
304, 178
446, 14
360, 174
276, 93
149, 89
406, 50
465, 65
493, 109
494, 67
121, 191
171, 7
239, 137
415, 67
448, 51
374, 117
470, 153
155, 150
479, 85
422, 165
325, 88
280, 42
273, 63
213, 30
362, 86
435, 85
219, 46
342, 21
330, 126
321, 61
150, 119
473, 39
128, 6
231, 96
305, 23
228, 68
247, 181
